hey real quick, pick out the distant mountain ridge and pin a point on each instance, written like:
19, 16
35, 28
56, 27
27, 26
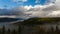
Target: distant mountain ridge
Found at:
9, 19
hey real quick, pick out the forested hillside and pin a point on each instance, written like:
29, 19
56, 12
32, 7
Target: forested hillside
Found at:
40, 21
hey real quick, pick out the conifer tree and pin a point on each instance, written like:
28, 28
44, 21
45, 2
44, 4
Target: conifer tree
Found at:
0, 32
8, 32
3, 30
52, 30
14, 31
48, 31
19, 30
41, 31
57, 28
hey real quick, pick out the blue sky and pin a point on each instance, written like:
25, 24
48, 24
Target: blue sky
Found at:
7, 3
32, 2
11, 3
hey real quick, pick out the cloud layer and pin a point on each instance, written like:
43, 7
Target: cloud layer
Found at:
48, 10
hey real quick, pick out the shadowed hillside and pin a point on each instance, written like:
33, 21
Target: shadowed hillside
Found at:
9, 19
40, 21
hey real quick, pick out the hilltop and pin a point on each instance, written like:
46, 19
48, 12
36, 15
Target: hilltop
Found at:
40, 21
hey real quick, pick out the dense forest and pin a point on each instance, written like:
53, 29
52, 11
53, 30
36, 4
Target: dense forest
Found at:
27, 26
40, 21
20, 31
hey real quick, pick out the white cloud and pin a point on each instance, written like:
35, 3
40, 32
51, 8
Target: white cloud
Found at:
49, 1
48, 10
3, 16
28, 7
54, 14
57, 2
20, 0
37, 1
24, 0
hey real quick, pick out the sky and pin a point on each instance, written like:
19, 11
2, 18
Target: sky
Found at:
30, 8
15, 3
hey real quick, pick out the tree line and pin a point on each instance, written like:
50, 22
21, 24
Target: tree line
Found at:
40, 21
32, 22
41, 31
4, 31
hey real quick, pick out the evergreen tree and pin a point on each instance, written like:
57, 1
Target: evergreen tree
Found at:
52, 30
8, 32
3, 30
42, 31
48, 31
0, 32
14, 31
57, 28
19, 30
